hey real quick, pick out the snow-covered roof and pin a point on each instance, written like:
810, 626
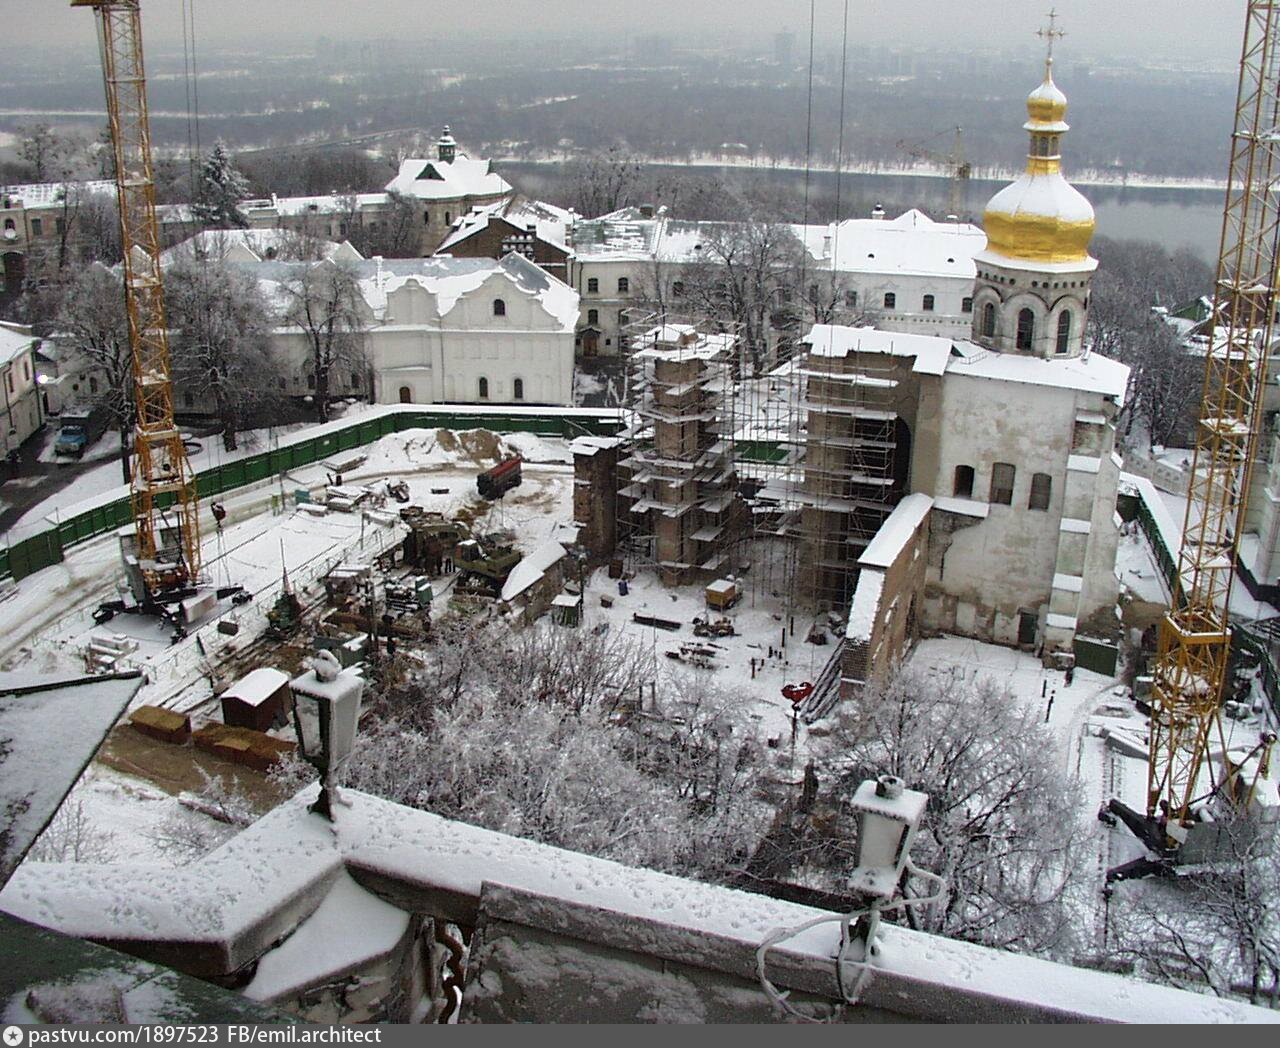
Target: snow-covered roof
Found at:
625, 235
532, 568
547, 222
931, 353
425, 179
911, 244
50, 728
896, 531
257, 687
15, 340
682, 342
447, 279
327, 203
254, 245
42, 194
274, 875
1092, 373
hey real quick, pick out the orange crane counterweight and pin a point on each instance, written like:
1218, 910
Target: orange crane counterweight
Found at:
168, 548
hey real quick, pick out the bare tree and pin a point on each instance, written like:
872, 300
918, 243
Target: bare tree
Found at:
43, 150
91, 321
222, 326
998, 826
744, 278
1215, 927
390, 231
604, 182
74, 836
325, 304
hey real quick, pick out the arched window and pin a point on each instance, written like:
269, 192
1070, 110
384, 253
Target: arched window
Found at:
517, 389
1064, 330
966, 304
926, 304
499, 308
593, 285
890, 300
962, 488
1041, 489
593, 316
1026, 329
406, 395
624, 285
484, 388
426, 218
1002, 474
448, 218
9, 224
989, 320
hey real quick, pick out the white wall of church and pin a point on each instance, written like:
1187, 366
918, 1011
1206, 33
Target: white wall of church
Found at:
985, 422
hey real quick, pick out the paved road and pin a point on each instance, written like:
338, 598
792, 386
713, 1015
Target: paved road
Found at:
37, 480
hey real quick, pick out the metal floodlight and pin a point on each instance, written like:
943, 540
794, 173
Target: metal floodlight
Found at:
326, 711
888, 816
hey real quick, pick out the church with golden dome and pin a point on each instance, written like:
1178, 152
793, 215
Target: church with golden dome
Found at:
995, 516
1031, 288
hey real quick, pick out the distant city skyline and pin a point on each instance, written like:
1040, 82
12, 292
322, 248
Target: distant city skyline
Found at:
1203, 29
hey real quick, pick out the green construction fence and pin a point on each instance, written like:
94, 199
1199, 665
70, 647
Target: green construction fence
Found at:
45, 548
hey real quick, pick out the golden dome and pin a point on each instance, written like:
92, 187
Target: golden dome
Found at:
1046, 105
1041, 217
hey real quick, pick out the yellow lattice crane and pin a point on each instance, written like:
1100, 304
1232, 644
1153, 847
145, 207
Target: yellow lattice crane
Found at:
1195, 635
165, 502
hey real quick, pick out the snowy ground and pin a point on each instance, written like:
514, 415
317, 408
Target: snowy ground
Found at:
759, 622
47, 625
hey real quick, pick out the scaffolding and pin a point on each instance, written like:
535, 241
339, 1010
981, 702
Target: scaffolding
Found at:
824, 457
678, 506
781, 478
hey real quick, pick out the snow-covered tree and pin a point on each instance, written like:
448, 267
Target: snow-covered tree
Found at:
219, 192
999, 825
221, 327
92, 323
1213, 928
325, 304
535, 734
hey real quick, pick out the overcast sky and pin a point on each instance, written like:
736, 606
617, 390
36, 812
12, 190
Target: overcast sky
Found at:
1200, 28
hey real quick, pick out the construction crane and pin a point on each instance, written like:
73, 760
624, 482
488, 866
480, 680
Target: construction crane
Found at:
167, 548
1195, 635
957, 167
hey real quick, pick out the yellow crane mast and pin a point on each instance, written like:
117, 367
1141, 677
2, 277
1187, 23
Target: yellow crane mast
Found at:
168, 554
1195, 635
957, 167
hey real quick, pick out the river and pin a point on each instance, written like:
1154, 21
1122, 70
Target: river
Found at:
1173, 217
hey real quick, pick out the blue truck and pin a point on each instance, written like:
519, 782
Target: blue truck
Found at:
78, 428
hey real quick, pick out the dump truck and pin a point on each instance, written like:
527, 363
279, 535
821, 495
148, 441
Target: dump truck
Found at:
484, 570
496, 482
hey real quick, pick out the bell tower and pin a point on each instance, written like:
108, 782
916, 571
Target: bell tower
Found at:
1031, 289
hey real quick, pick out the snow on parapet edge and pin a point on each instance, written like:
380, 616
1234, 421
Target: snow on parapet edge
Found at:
896, 531
250, 876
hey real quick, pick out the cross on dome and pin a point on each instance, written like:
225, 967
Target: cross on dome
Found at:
1049, 34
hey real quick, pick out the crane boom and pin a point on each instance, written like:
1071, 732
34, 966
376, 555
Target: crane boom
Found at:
1195, 635
168, 556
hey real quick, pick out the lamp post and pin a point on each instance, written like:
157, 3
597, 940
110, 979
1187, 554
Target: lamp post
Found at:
326, 711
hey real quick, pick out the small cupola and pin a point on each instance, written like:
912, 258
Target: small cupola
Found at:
446, 146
